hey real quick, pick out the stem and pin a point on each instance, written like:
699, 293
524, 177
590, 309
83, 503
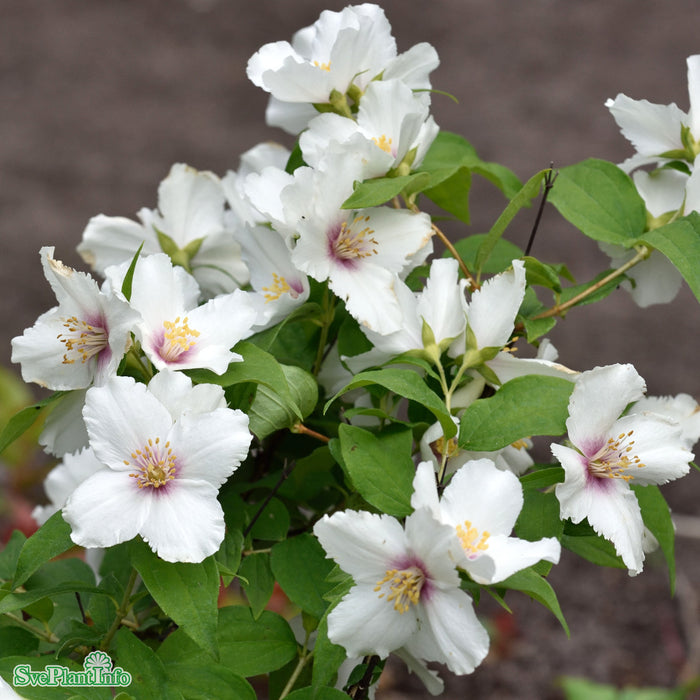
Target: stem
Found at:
303, 659
302, 429
285, 473
121, 611
557, 309
548, 184
329, 309
47, 636
360, 690
448, 244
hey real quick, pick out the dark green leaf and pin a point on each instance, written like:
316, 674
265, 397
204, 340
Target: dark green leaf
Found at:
257, 581
188, 593
600, 200
50, 540
380, 467
501, 258
300, 567
523, 407
24, 419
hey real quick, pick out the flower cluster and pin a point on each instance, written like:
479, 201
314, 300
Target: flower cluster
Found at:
277, 381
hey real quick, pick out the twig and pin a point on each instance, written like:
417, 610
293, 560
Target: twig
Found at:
360, 690
448, 244
303, 430
548, 184
285, 473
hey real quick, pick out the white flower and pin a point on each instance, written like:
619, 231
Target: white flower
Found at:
514, 458
482, 503
682, 408
167, 448
359, 252
174, 332
492, 309
392, 120
612, 451
79, 342
64, 429
63, 479
406, 593
340, 50
438, 305
191, 215
667, 194
655, 130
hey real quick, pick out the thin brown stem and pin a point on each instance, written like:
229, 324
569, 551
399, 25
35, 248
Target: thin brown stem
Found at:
302, 429
558, 309
453, 251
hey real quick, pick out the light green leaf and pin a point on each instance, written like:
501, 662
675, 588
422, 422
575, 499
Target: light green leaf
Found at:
680, 243
523, 407
24, 419
257, 581
657, 517
149, 679
372, 193
600, 200
300, 567
50, 540
409, 385
522, 199
188, 593
501, 258
532, 584
208, 681
380, 467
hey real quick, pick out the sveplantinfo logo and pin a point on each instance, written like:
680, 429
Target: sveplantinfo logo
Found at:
97, 672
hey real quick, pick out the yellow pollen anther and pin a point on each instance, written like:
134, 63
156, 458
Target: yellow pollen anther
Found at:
519, 444
82, 340
404, 585
155, 464
352, 243
383, 142
177, 339
278, 287
614, 459
323, 66
472, 544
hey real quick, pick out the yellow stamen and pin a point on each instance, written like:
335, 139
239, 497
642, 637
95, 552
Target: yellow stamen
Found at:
323, 66
82, 340
352, 243
155, 464
451, 448
178, 338
383, 142
278, 287
472, 544
404, 585
614, 459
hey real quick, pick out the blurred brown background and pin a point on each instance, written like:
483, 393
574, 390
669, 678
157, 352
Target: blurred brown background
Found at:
98, 98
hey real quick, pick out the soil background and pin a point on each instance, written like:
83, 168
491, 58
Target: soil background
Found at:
99, 98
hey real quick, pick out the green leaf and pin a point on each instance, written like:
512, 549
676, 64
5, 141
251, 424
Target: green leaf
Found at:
228, 558
569, 293
129, 276
24, 419
542, 478
20, 601
522, 199
582, 540
257, 581
273, 522
208, 681
16, 640
270, 411
600, 200
680, 243
10, 554
539, 273
247, 647
523, 407
657, 517
188, 593
148, 677
380, 467
372, 193
531, 583
452, 194
409, 385
327, 656
50, 540
317, 693
300, 567
502, 254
